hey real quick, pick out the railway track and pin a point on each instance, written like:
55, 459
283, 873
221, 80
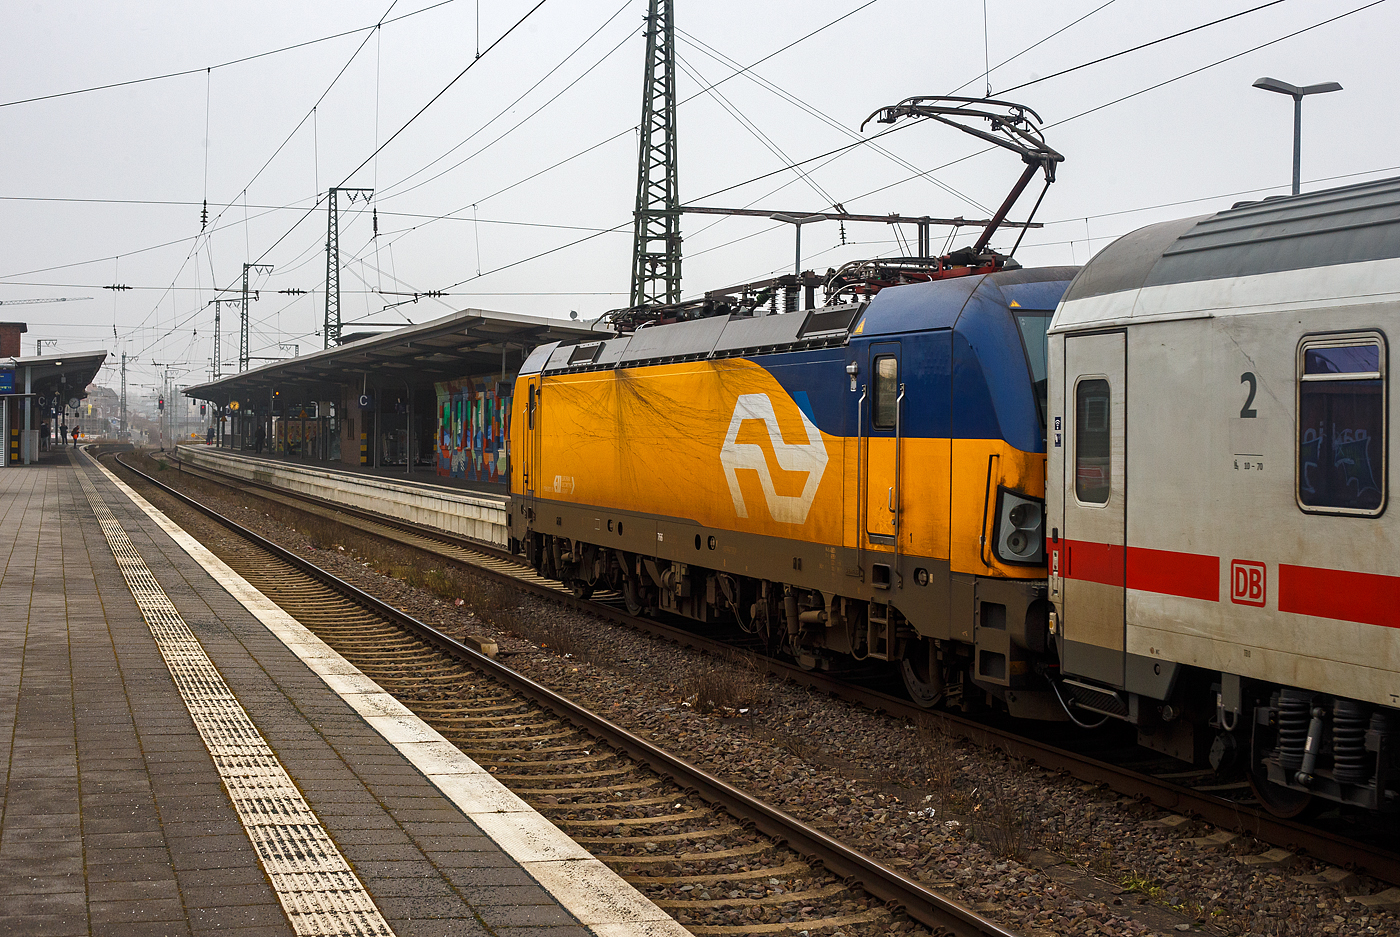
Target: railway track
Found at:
1163, 783
717, 859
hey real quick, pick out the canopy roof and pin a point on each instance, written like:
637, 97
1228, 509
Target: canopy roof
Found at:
50, 375
470, 342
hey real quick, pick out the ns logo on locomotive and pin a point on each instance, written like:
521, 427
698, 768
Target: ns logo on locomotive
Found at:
1151, 490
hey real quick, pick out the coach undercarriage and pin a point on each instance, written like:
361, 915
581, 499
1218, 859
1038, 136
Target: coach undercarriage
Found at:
1299, 749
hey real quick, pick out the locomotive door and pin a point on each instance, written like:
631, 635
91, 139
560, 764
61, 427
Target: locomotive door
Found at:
1093, 554
531, 461
880, 425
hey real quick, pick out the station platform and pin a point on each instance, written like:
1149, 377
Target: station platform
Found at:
422, 501
180, 756
424, 475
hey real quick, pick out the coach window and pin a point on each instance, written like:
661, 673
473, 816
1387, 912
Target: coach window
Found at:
1341, 424
884, 403
1091, 443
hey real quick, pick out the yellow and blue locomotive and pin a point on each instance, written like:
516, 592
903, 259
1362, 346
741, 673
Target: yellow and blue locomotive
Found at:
863, 480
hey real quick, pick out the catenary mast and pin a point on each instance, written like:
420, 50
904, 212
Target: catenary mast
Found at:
656, 247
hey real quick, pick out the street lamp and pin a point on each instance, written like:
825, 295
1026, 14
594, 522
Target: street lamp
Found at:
1297, 93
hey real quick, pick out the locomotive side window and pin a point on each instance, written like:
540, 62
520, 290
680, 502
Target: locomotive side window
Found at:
1092, 458
1341, 424
1033, 326
884, 402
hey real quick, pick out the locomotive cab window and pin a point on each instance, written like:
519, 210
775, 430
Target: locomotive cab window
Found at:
884, 402
1341, 424
1033, 326
1092, 452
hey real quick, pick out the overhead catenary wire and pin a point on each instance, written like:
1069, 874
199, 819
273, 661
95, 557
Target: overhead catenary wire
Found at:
231, 62
405, 126
511, 106
604, 230
753, 129
960, 159
1088, 111
823, 117
1139, 92
1138, 48
631, 130
1039, 42
300, 124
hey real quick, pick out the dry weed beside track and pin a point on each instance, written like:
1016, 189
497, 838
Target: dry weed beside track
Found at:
1040, 852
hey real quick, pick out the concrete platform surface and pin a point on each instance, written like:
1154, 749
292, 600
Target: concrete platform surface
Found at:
154, 707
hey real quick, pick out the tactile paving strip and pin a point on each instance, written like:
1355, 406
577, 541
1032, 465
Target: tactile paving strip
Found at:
317, 888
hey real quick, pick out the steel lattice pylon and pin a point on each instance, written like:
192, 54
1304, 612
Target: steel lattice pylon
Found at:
218, 339
331, 329
656, 248
243, 353
243, 324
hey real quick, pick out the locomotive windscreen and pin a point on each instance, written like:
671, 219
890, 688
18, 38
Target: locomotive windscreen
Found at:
1033, 325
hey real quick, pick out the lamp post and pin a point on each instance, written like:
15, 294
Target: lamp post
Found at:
1297, 93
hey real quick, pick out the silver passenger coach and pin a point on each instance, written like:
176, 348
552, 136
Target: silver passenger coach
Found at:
1223, 564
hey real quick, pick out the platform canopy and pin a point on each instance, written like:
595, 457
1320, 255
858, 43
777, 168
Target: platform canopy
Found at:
473, 342
64, 376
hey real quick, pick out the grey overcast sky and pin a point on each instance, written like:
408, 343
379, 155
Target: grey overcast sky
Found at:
106, 186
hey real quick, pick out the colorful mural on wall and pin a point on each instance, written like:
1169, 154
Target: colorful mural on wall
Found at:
474, 429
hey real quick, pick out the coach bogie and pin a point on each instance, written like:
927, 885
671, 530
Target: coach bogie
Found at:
1305, 744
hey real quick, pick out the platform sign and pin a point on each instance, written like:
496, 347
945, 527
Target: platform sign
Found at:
366, 401
7, 382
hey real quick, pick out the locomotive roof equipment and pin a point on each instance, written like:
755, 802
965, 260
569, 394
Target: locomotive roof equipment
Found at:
1013, 126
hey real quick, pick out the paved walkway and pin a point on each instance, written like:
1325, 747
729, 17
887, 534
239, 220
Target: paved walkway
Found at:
115, 819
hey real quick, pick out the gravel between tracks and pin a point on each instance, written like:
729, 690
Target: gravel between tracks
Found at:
1037, 851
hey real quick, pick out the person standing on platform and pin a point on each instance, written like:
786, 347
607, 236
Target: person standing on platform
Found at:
209, 437
258, 439
75, 435
63, 435
44, 436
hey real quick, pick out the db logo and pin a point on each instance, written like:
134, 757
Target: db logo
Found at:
1249, 582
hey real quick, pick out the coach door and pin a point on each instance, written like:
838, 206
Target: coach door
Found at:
1092, 552
880, 425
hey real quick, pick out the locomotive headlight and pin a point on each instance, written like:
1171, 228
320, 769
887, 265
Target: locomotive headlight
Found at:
1020, 529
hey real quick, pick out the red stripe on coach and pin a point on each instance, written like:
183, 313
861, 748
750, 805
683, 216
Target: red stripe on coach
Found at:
1190, 575
1095, 562
1335, 593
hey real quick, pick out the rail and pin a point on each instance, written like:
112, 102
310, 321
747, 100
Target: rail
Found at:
880, 881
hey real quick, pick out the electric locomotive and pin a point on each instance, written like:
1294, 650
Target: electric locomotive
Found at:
1223, 565
859, 480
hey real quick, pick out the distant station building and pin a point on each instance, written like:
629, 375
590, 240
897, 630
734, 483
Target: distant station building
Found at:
431, 398
39, 396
